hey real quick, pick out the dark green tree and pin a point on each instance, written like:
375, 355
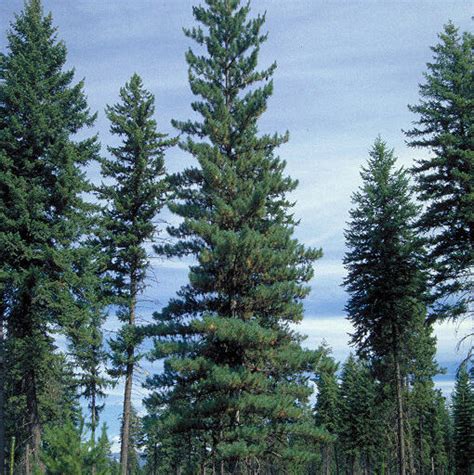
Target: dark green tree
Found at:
385, 279
463, 415
133, 195
42, 213
445, 179
235, 380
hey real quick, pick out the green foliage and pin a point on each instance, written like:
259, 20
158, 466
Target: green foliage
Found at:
327, 408
67, 451
386, 282
85, 334
42, 213
463, 415
427, 409
445, 179
235, 381
385, 277
132, 198
360, 428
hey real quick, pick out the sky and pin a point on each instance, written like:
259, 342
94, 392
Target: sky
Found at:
346, 72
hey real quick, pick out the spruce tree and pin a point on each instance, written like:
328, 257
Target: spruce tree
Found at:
42, 213
463, 415
385, 279
133, 196
445, 178
235, 381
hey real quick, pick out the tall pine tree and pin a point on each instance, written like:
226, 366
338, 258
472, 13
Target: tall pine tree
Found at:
235, 380
385, 280
445, 179
133, 197
42, 214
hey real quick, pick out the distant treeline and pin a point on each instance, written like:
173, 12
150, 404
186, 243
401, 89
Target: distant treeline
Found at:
234, 396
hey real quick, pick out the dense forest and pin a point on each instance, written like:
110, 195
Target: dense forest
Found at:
234, 390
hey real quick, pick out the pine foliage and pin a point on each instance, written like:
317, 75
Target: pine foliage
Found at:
234, 376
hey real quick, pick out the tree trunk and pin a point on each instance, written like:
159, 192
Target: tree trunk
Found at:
2, 391
93, 428
400, 419
127, 400
34, 425
420, 445
27, 459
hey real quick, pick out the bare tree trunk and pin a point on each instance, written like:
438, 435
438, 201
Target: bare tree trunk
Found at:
93, 428
2, 390
127, 400
400, 419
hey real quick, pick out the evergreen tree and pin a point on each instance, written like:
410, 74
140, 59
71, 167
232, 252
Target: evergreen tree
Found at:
445, 179
86, 335
463, 415
327, 414
42, 214
67, 451
132, 200
358, 428
235, 377
425, 410
385, 279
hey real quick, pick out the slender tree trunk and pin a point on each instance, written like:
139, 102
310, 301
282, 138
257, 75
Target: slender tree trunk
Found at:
12, 456
2, 390
420, 446
400, 419
27, 459
93, 427
127, 400
336, 459
155, 459
34, 424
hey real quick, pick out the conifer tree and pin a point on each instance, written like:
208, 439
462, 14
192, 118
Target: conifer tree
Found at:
445, 179
359, 433
425, 409
42, 214
235, 380
385, 280
132, 200
463, 415
86, 335
327, 414
66, 450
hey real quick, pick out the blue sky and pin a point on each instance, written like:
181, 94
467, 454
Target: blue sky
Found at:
346, 72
